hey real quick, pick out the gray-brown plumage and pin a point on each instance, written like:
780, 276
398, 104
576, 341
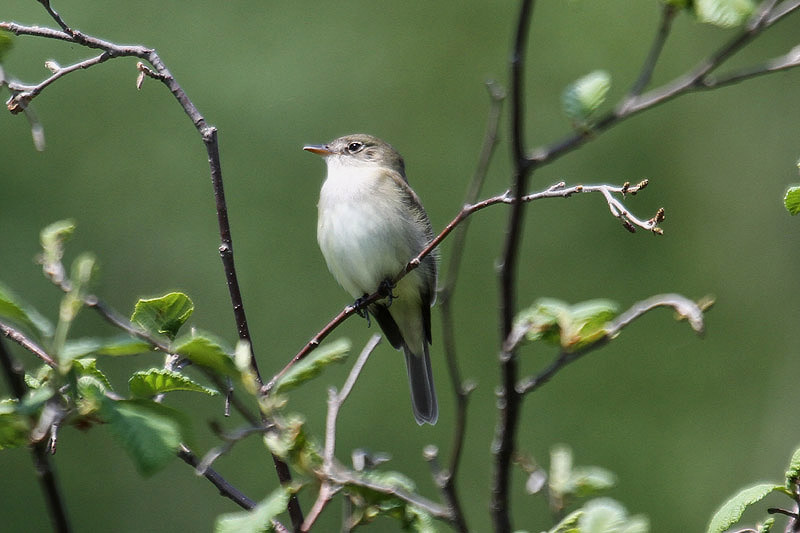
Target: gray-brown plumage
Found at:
371, 224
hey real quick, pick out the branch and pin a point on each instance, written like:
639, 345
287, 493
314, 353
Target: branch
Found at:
684, 308
209, 137
20, 338
335, 401
508, 400
39, 449
225, 488
698, 79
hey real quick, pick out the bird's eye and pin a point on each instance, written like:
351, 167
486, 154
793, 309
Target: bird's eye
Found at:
354, 147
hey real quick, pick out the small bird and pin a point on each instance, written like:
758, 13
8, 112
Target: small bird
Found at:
371, 224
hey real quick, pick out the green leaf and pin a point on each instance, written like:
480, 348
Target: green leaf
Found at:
589, 480
52, 239
793, 474
257, 519
12, 308
114, 346
570, 327
148, 383
312, 366
150, 432
560, 477
583, 97
569, 523
164, 315
605, 515
732, 510
766, 527
290, 441
206, 352
6, 43
792, 200
14, 430
87, 367
724, 13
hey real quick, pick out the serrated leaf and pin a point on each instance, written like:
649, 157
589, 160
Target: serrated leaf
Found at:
148, 383
792, 200
312, 366
14, 429
164, 315
204, 351
568, 523
766, 527
732, 510
259, 518
6, 43
150, 432
13, 308
88, 367
724, 13
583, 97
114, 346
793, 473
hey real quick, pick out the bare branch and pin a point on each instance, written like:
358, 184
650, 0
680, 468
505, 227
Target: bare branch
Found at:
20, 338
225, 488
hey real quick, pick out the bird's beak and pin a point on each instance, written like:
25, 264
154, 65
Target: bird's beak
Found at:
319, 149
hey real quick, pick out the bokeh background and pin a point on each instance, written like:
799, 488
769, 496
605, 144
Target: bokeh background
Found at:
684, 422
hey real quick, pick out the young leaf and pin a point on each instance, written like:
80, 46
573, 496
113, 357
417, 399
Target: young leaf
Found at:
204, 351
291, 442
87, 367
12, 308
724, 13
148, 383
583, 97
257, 519
52, 239
589, 480
732, 510
311, 366
793, 474
14, 426
792, 200
164, 315
149, 432
569, 523
605, 515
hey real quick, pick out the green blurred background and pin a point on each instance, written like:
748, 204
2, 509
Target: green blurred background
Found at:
684, 422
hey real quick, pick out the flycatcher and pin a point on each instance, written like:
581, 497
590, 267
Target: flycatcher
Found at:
371, 224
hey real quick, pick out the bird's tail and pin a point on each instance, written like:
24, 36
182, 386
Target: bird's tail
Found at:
420, 379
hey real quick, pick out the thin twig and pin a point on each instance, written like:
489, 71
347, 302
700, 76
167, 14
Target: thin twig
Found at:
20, 338
668, 12
335, 401
225, 488
446, 480
45, 471
684, 308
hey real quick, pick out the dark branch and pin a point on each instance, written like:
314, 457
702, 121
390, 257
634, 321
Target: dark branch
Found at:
39, 450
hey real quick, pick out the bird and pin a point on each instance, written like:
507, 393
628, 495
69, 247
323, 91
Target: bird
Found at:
370, 225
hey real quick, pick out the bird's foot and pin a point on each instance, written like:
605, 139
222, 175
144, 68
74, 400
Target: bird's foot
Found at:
361, 309
386, 289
